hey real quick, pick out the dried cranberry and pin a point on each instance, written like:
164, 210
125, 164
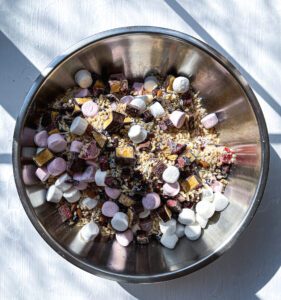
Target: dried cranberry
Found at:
146, 146
104, 163
187, 204
112, 182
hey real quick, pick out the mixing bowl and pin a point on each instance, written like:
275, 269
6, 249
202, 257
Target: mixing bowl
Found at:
135, 51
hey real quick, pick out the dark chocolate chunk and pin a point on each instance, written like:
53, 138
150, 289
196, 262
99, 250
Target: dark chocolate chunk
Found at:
164, 213
190, 123
142, 237
112, 98
159, 169
115, 122
147, 116
76, 164
90, 151
132, 111
179, 148
112, 182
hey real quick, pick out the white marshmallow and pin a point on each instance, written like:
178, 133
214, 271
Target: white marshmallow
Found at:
205, 209
54, 194
171, 174
72, 195
146, 98
207, 194
150, 83
62, 184
120, 221
37, 195
193, 232
78, 126
220, 201
100, 177
180, 230
181, 85
177, 118
39, 149
83, 78
89, 231
28, 152
89, 203
157, 110
201, 221
144, 214
168, 227
139, 103
169, 240
137, 134
210, 121
186, 216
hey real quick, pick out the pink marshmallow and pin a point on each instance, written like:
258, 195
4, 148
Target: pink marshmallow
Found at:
171, 189
89, 109
126, 99
177, 118
124, 238
56, 143
151, 201
28, 175
112, 193
81, 93
27, 136
56, 166
109, 209
87, 176
81, 186
41, 139
76, 146
217, 186
210, 121
42, 173
137, 88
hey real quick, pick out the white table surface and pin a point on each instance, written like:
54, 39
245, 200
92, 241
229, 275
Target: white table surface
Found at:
32, 33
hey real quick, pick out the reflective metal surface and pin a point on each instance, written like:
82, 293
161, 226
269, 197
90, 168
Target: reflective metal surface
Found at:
136, 51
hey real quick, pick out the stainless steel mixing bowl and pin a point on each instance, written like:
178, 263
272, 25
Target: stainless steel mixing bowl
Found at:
136, 51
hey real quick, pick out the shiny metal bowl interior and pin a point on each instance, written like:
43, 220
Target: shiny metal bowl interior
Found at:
136, 51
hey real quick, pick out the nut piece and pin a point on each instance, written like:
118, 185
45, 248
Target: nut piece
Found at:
125, 155
114, 123
191, 183
126, 200
43, 157
100, 138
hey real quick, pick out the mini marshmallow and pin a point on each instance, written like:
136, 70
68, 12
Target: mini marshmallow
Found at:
139, 103
112, 193
28, 175
83, 78
56, 166
27, 137
181, 85
89, 109
37, 195
72, 195
171, 189
41, 138
81, 186
220, 201
109, 209
87, 176
137, 88
151, 201
120, 221
76, 146
28, 152
89, 203
207, 194
177, 118
168, 227
217, 186
169, 241
180, 230
137, 134
124, 238
146, 98
193, 232
157, 110
205, 209
56, 143
42, 174
171, 174
201, 221
210, 121
126, 99
82, 93
54, 194
100, 177
186, 216
144, 214
150, 83
78, 126
62, 184
89, 231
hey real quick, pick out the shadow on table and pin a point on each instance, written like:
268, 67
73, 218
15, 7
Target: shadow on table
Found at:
249, 265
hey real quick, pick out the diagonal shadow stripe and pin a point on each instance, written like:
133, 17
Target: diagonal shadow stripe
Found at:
180, 10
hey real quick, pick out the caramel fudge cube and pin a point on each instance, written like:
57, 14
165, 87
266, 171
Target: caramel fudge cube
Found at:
43, 157
125, 155
191, 183
81, 101
100, 138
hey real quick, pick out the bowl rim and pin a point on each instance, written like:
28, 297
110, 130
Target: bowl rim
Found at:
265, 154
